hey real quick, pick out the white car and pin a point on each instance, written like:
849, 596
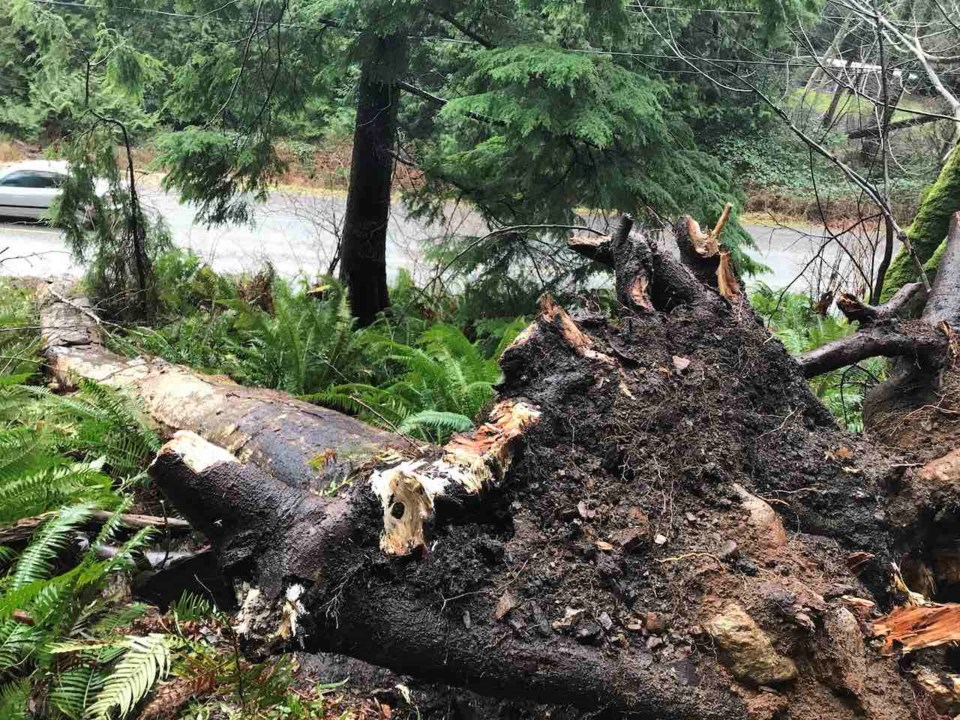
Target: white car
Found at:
28, 189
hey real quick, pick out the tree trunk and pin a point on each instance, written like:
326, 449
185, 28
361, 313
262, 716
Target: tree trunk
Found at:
658, 520
363, 252
919, 405
929, 227
302, 444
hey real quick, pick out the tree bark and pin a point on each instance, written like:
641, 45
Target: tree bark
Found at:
925, 346
926, 393
301, 444
363, 251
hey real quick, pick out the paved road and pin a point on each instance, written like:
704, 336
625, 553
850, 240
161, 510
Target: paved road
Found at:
297, 233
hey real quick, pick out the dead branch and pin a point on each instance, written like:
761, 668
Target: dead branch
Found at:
856, 310
23, 529
926, 346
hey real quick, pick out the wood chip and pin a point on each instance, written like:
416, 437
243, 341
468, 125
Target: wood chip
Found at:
627, 539
916, 627
505, 604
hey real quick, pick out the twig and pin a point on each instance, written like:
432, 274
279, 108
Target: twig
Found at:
76, 306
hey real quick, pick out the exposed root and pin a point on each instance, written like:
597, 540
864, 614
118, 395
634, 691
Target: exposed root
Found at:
555, 316
709, 258
598, 248
727, 282
901, 303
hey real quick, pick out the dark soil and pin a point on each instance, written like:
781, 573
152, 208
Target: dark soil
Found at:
620, 527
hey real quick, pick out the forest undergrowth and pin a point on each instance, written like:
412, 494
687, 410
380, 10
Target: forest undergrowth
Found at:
75, 641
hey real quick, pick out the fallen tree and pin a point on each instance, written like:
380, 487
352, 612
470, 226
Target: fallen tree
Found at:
658, 520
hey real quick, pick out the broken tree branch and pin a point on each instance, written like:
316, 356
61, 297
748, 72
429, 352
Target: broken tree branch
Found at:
925, 346
922, 341
669, 283
856, 310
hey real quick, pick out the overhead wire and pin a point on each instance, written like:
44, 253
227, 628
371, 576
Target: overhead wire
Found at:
327, 23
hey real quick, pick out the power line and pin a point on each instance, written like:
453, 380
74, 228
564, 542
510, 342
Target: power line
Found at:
717, 11
326, 23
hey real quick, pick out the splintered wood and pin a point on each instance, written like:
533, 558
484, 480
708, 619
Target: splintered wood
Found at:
471, 462
914, 627
639, 292
727, 279
596, 247
554, 315
707, 245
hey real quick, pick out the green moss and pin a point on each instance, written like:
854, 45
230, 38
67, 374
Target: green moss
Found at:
929, 227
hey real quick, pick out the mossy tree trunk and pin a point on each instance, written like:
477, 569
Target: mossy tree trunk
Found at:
929, 227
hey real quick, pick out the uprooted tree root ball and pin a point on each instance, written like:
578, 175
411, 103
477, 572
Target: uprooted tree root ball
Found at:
659, 520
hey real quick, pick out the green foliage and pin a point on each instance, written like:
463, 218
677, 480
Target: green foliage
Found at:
145, 661
72, 645
431, 389
791, 317
61, 458
50, 89
19, 341
218, 171
421, 376
107, 230
98, 422
305, 343
566, 129
767, 160
191, 607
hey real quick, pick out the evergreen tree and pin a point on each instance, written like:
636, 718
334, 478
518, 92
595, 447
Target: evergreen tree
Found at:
527, 109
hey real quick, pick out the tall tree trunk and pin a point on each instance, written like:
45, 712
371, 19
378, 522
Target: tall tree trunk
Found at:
363, 264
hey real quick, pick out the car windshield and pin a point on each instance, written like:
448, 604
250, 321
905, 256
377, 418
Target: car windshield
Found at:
37, 179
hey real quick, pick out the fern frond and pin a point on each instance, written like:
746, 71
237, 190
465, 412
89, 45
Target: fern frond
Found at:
443, 423
74, 690
35, 563
37, 492
192, 607
146, 661
17, 642
13, 699
120, 618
